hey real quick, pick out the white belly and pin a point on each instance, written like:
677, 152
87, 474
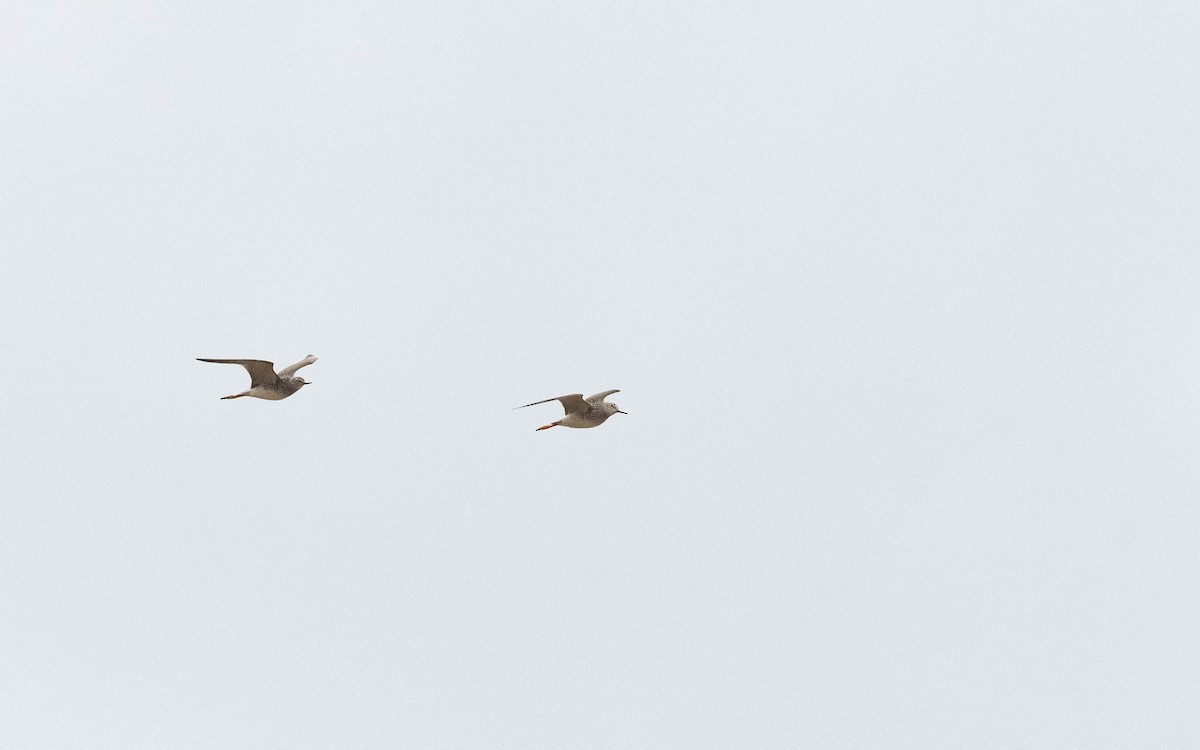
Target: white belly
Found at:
267, 393
581, 421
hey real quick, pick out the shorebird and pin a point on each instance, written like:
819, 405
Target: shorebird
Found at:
581, 412
264, 383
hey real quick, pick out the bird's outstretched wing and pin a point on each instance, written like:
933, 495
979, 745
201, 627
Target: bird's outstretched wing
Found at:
599, 397
571, 403
261, 371
290, 370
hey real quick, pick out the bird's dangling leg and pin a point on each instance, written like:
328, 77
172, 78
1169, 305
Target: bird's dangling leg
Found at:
547, 426
236, 395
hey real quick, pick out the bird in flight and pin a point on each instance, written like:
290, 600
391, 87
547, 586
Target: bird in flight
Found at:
264, 383
581, 412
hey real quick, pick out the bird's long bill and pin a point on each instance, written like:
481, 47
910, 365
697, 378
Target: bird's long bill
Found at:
622, 412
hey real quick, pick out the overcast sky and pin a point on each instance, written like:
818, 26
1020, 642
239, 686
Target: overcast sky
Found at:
902, 300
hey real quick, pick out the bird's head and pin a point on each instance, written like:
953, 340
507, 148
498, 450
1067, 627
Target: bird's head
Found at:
613, 409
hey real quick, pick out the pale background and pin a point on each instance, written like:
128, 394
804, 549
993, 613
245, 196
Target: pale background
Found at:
902, 299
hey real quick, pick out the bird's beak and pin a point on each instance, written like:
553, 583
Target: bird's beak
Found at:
622, 412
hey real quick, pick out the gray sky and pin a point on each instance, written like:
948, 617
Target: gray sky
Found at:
902, 300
